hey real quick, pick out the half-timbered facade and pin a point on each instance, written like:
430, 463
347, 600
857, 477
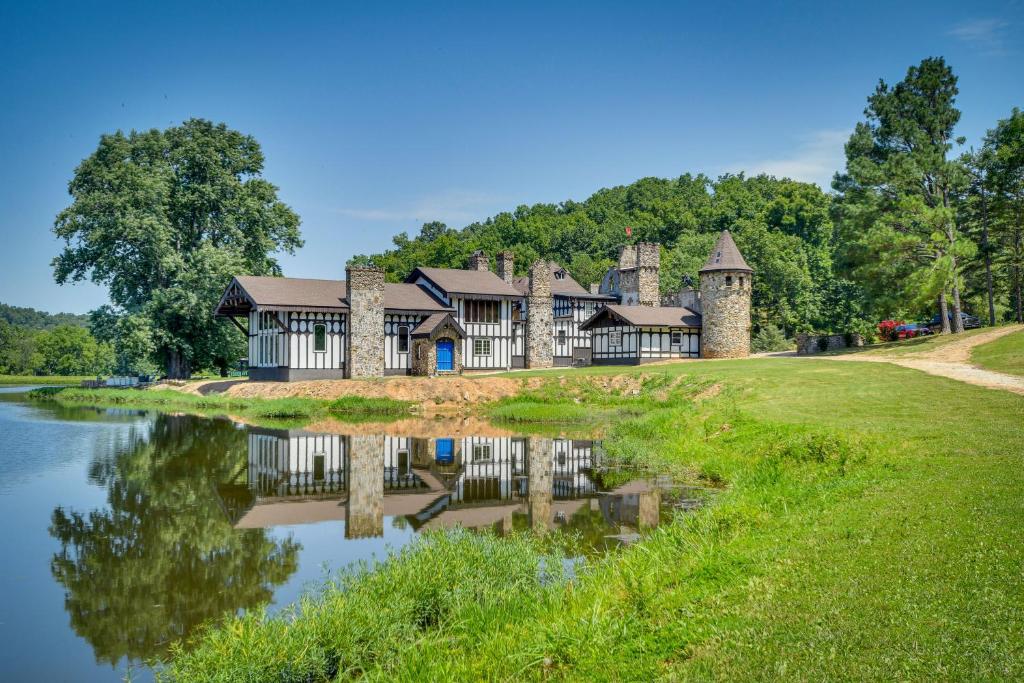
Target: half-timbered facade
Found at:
630, 335
444, 320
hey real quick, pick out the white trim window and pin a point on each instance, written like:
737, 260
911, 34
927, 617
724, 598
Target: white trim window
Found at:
403, 339
320, 338
482, 452
481, 347
677, 338
615, 338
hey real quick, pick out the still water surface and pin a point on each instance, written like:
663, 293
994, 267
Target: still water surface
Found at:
125, 530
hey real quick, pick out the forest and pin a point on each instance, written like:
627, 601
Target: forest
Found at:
914, 224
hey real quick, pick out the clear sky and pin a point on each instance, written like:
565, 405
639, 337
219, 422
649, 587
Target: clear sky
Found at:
377, 117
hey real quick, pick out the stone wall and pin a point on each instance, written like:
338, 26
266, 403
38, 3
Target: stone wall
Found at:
725, 300
540, 322
364, 510
807, 344
648, 265
365, 338
506, 266
424, 356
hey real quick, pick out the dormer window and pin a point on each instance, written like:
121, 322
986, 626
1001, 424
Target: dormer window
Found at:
559, 274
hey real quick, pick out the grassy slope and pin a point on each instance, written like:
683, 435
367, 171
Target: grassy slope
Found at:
855, 540
298, 410
1005, 354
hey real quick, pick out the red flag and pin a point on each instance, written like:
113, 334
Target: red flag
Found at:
629, 231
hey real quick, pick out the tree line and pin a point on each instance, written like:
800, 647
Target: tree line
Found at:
61, 350
914, 224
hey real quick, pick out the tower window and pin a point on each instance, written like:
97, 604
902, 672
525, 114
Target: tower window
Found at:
741, 281
728, 280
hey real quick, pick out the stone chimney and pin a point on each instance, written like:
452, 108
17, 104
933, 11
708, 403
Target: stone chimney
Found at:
689, 298
479, 261
595, 288
648, 262
506, 266
540, 322
364, 338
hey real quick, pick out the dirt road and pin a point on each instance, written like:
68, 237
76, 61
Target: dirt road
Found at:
952, 360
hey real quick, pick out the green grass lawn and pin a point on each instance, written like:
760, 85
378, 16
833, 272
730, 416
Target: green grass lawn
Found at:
26, 380
868, 526
1005, 354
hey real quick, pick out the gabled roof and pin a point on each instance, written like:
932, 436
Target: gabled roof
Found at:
457, 281
322, 296
436, 320
294, 293
726, 256
646, 316
564, 286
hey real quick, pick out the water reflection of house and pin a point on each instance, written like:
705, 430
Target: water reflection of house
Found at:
297, 477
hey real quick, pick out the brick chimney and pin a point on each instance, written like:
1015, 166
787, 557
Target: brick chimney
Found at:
506, 266
479, 261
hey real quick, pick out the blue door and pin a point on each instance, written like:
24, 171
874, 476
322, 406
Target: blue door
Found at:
445, 451
445, 352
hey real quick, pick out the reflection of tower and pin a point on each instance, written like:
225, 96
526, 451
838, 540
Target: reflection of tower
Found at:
539, 488
364, 510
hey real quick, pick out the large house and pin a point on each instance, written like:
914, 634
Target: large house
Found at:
445, 320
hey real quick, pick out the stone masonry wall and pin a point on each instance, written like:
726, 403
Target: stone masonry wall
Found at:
540, 323
506, 266
424, 355
812, 343
725, 331
365, 338
648, 262
364, 510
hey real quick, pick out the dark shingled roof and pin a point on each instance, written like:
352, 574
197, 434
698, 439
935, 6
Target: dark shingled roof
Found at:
726, 256
435, 320
292, 293
455, 281
567, 286
647, 316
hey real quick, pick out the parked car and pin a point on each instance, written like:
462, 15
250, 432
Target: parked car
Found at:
911, 330
970, 321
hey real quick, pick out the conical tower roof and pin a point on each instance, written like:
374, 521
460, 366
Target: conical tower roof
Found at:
726, 256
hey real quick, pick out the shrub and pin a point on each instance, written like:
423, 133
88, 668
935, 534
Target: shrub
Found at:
769, 338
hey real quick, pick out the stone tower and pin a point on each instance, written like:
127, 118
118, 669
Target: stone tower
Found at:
363, 339
725, 287
540, 322
639, 267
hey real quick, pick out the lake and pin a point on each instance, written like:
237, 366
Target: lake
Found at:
128, 529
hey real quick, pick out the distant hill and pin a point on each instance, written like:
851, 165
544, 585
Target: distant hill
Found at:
32, 319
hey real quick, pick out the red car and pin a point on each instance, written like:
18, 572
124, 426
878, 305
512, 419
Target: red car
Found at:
912, 330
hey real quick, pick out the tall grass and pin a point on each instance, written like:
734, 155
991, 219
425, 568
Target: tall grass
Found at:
257, 409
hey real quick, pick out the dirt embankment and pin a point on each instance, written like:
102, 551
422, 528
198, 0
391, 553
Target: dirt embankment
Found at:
433, 394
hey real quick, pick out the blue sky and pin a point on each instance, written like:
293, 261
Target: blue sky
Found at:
377, 117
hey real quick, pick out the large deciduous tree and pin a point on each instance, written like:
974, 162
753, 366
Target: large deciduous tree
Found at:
164, 219
896, 203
